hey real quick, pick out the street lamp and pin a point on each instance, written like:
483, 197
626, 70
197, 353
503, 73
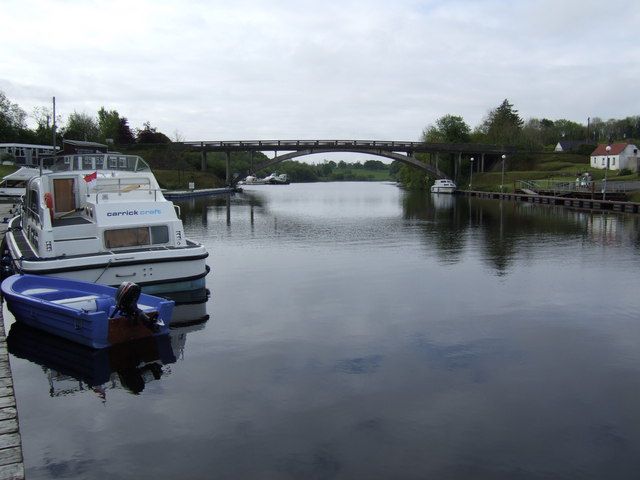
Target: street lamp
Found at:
502, 181
471, 172
606, 169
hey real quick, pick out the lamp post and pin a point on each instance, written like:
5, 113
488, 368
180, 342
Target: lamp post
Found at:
502, 181
606, 169
471, 173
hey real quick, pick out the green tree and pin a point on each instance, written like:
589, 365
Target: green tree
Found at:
149, 134
503, 125
81, 126
109, 124
125, 135
448, 129
12, 120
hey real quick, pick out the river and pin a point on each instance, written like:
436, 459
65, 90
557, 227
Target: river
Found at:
357, 330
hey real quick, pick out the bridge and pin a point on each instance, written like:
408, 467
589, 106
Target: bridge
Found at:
395, 150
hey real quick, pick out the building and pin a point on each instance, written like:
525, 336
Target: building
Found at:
71, 147
620, 156
569, 145
24, 153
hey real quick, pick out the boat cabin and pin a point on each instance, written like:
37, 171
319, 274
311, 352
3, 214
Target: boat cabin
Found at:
95, 203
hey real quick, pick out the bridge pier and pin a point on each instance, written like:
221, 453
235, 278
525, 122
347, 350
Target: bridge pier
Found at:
203, 163
228, 168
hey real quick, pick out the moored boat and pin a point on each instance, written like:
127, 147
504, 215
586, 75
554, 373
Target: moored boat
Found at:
273, 179
443, 185
102, 218
93, 315
13, 185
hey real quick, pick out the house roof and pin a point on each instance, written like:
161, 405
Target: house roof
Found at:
571, 143
616, 149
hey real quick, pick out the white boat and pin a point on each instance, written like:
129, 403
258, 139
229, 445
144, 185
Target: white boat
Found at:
443, 185
273, 179
13, 185
102, 218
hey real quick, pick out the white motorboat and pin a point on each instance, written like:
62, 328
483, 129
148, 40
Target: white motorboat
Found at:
443, 185
273, 179
102, 218
13, 185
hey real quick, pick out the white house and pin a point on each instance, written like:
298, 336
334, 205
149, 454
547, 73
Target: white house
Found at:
621, 155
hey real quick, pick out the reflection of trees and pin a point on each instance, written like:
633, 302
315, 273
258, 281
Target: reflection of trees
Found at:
506, 228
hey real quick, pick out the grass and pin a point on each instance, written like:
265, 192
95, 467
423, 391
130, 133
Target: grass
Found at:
554, 167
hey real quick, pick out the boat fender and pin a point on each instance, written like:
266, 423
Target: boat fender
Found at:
48, 201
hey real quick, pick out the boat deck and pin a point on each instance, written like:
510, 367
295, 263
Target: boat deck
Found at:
11, 461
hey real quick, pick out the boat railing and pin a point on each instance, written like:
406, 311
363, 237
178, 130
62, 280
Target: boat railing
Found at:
122, 185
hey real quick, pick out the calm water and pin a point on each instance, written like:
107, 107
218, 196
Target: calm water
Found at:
358, 331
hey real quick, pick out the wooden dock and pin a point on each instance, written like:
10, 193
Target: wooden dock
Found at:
11, 461
596, 204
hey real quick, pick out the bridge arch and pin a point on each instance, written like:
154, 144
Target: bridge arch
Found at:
406, 159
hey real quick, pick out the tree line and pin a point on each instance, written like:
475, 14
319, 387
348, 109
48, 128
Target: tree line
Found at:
108, 126
503, 125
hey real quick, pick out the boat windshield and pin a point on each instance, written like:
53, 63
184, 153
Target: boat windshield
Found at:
101, 161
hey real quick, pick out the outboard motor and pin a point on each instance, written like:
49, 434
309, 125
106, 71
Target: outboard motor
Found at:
127, 297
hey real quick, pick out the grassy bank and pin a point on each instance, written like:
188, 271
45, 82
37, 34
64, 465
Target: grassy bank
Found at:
553, 167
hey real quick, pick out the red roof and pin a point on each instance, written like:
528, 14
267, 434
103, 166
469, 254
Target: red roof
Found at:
616, 149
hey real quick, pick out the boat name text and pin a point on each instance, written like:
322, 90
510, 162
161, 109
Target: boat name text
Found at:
155, 211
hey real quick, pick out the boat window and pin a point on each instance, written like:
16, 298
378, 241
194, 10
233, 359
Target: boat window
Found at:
87, 163
136, 236
127, 237
32, 203
159, 234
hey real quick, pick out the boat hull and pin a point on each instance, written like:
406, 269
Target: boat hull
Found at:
156, 270
55, 305
435, 189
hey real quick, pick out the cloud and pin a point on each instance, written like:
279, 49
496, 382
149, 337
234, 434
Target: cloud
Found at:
348, 69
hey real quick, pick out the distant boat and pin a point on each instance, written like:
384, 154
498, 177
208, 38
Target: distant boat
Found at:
273, 179
443, 186
13, 186
87, 313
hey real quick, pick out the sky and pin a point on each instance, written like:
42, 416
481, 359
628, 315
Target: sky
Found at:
299, 69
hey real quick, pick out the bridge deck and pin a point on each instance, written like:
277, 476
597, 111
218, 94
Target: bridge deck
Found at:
347, 145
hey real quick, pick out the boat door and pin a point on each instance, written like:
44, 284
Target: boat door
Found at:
64, 195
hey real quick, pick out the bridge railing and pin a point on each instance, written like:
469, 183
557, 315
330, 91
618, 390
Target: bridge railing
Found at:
388, 145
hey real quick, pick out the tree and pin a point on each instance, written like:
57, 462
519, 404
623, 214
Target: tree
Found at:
109, 124
503, 125
125, 135
12, 119
81, 126
151, 135
448, 129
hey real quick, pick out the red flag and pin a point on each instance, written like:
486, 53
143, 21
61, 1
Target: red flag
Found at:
91, 179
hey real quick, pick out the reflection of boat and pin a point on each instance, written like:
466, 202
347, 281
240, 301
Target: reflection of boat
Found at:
273, 179
443, 202
13, 185
102, 218
72, 367
86, 313
443, 185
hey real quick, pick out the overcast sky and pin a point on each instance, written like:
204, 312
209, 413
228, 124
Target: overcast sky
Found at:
250, 69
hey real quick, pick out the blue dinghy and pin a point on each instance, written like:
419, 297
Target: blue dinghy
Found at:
87, 313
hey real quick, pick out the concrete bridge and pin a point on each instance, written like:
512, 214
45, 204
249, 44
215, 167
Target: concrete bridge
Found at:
396, 150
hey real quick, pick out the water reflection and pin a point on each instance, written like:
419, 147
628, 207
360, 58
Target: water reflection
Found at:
71, 368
